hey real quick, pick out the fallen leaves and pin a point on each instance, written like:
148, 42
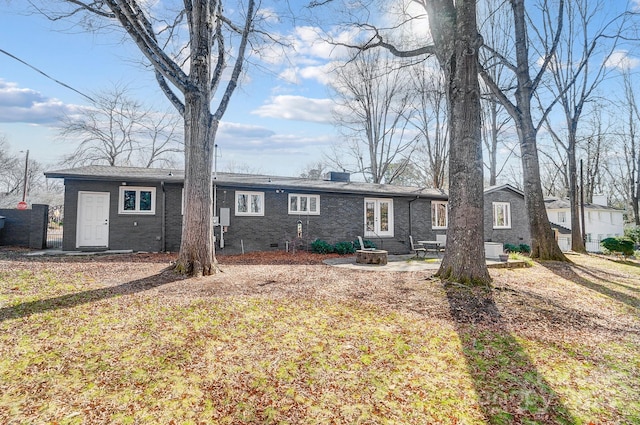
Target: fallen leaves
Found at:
282, 338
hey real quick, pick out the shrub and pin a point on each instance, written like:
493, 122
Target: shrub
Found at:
508, 247
523, 248
321, 247
619, 244
343, 248
633, 233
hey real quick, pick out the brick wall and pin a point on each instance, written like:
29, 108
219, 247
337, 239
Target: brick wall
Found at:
341, 219
519, 231
26, 228
138, 232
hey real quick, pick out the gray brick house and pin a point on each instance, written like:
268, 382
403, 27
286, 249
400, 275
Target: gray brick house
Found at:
141, 209
505, 216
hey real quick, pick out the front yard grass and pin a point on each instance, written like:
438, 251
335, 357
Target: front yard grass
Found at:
306, 344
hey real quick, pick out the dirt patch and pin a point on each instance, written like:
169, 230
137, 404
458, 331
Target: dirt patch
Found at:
275, 257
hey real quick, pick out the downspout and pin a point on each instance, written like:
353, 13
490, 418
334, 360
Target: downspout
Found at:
163, 230
215, 197
410, 215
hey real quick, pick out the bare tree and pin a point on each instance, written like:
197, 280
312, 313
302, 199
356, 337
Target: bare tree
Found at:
495, 125
206, 36
597, 140
314, 171
518, 103
457, 42
430, 120
494, 23
449, 28
162, 141
119, 130
579, 65
8, 181
373, 106
627, 169
15, 167
553, 167
454, 41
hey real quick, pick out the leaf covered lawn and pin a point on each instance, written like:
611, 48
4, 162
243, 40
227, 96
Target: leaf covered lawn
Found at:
284, 339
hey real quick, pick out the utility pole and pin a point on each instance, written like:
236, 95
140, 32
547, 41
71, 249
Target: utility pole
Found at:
26, 177
584, 235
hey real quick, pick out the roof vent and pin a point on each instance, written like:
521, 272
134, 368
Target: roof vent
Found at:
336, 176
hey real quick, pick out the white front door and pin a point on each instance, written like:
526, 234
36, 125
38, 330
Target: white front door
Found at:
93, 219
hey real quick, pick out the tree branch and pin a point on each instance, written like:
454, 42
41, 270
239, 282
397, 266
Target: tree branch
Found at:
233, 81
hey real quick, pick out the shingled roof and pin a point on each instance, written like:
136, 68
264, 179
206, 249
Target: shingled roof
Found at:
563, 203
107, 173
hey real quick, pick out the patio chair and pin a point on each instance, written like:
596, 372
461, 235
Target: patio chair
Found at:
362, 245
443, 242
417, 248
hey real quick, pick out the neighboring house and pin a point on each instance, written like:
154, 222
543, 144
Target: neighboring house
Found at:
141, 209
601, 221
505, 216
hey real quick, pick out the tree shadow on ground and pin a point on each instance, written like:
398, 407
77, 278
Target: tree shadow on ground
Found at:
627, 263
509, 387
567, 271
78, 298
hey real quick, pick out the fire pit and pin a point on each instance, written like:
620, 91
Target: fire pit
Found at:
372, 256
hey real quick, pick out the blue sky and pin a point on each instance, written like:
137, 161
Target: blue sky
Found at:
278, 121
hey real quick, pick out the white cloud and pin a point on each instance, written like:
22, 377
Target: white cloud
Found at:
29, 106
620, 59
320, 73
297, 108
243, 131
251, 138
308, 53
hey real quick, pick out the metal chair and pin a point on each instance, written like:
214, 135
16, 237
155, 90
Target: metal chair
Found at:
417, 248
362, 245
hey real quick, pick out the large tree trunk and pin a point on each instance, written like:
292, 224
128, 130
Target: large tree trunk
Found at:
543, 243
544, 246
493, 142
635, 198
197, 255
464, 259
577, 241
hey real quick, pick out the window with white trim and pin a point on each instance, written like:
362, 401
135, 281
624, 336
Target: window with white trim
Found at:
304, 204
439, 215
378, 217
562, 216
137, 200
501, 215
250, 203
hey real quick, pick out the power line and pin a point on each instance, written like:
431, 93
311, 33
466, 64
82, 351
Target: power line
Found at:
45, 74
